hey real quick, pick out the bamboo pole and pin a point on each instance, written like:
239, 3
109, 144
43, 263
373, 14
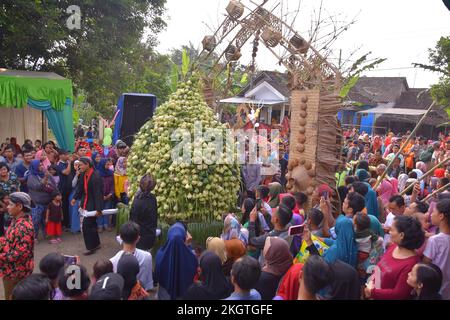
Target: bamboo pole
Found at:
436, 191
404, 145
429, 172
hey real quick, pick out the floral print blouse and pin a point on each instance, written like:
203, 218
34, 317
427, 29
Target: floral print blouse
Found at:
11, 185
16, 249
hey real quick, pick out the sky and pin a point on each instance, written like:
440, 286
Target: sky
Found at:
401, 31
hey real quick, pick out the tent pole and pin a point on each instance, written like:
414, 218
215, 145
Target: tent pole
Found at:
404, 145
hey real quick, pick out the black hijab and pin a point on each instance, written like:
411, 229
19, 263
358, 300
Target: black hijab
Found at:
128, 268
214, 284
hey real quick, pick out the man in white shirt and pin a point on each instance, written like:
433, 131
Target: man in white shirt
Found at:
129, 233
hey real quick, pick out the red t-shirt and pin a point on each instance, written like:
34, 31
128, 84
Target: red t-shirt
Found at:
394, 273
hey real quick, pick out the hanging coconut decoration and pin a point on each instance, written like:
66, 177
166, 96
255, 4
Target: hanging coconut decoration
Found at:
235, 9
209, 43
271, 37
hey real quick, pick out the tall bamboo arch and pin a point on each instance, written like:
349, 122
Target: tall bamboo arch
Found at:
314, 83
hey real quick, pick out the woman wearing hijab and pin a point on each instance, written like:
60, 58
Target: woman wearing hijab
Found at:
277, 261
343, 248
376, 145
144, 212
107, 175
75, 225
385, 191
40, 187
120, 179
232, 229
290, 283
275, 190
90, 193
420, 170
96, 158
128, 268
227, 250
362, 171
214, 285
176, 265
42, 156
217, 246
402, 179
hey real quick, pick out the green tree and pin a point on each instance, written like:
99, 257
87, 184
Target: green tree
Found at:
440, 62
100, 58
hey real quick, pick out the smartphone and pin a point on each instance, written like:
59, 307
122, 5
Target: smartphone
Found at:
70, 260
296, 230
258, 204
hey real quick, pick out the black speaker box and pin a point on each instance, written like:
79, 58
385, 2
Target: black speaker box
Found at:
137, 110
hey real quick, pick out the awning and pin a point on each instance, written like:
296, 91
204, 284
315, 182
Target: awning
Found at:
397, 111
44, 91
241, 100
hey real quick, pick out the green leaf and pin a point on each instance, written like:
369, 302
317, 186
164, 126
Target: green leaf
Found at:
348, 86
244, 78
185, 63
174, 77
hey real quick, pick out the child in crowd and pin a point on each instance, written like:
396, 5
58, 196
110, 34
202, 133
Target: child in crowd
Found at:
54, 218
365, 239
102, 267
426, 279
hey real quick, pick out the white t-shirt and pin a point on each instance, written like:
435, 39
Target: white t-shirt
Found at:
387, 224
438, 251
145, 275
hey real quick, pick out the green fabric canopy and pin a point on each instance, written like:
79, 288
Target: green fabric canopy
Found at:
15, 91
43, 91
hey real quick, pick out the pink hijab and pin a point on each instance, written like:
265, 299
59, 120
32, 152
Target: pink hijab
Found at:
386, 191
46, 163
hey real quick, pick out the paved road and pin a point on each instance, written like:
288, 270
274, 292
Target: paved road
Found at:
73, 245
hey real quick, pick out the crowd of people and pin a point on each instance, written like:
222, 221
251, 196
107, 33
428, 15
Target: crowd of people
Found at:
382, 232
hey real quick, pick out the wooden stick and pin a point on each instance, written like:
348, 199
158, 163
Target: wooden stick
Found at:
429, 172
437, 191
404, 145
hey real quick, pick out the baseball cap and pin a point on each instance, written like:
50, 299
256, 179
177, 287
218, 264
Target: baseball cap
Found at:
22, 198
108, 287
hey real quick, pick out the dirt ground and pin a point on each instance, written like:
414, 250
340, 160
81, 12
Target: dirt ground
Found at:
73, 245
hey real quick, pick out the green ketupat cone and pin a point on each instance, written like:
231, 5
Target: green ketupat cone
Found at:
190, 192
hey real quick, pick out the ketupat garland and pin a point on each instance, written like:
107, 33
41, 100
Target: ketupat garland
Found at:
191, 192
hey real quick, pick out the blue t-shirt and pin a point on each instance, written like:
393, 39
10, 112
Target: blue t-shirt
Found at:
65, 184
252, 295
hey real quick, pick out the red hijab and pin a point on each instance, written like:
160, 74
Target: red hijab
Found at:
290, 284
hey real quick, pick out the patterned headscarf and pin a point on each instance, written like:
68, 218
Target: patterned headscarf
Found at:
232, 229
